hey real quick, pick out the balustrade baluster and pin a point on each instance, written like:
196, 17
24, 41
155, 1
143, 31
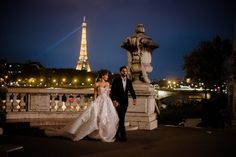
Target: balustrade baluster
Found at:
8, 102
16, 102
82, 102
63, 99
4, 105
68, 106
74, 103
53, 105
59, 104
22, 102
78, 103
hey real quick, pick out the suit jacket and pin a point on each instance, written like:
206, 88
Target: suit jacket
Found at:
119, 94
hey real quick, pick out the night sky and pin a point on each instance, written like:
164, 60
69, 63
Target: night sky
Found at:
47, 30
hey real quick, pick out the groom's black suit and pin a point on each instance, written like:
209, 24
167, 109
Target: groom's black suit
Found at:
121, 96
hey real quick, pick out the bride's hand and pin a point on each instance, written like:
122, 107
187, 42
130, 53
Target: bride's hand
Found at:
115, 103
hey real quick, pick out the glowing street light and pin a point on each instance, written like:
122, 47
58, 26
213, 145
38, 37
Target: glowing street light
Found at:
63, 79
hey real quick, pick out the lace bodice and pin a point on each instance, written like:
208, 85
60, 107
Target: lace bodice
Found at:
103, 90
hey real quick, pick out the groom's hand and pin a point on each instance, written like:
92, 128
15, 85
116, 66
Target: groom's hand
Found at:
134, 102
115, 103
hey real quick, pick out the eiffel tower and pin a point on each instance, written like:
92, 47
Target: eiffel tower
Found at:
82, 63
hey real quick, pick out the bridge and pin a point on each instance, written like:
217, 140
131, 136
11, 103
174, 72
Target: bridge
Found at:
57, 106
181, 94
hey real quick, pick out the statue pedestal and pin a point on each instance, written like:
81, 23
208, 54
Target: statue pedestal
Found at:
142, 115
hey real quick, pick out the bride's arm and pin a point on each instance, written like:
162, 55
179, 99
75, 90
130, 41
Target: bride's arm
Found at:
108, 87
95, 92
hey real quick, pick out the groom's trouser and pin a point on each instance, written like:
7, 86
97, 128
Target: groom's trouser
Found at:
121, 110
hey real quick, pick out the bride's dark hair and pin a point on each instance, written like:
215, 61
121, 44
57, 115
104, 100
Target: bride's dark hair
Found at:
101, 73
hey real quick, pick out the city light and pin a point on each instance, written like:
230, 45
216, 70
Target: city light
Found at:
63, 79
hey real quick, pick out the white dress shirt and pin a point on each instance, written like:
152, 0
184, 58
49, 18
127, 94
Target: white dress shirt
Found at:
124, 83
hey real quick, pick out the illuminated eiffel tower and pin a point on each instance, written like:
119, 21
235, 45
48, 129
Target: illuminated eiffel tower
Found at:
82, 63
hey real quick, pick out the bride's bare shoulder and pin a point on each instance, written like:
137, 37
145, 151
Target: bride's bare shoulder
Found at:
97, 84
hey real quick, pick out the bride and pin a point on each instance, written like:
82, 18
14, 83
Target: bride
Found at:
98, 121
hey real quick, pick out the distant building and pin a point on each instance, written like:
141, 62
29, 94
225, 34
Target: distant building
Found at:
27, 68
33, 74
12, 69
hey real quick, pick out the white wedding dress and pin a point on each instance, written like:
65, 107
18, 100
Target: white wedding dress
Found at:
98, 121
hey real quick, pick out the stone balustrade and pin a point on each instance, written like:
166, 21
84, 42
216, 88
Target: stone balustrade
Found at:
43, 107
39, 106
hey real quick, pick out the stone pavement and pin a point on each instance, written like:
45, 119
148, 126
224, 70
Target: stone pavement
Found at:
165, 141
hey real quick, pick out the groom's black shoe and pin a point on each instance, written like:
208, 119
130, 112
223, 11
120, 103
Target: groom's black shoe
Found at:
121, 139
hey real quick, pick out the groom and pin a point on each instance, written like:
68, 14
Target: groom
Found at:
119, 95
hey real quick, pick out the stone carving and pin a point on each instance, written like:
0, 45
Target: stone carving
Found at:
140, 48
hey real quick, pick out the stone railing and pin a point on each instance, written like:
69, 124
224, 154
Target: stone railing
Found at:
45, 106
